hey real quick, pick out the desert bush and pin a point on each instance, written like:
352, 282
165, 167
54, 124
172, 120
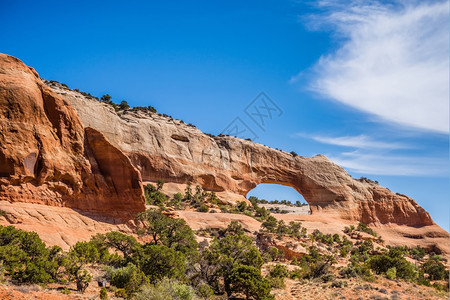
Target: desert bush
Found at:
129, 278
167, 289
391, 273
435, 269
381, 263
103, 294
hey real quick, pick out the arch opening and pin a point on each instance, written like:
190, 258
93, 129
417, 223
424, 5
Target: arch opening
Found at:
280, 199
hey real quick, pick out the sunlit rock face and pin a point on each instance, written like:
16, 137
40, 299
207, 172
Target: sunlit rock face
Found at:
163, 148
48, 157
59, 147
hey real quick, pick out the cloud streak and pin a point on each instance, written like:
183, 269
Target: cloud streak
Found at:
381, 164
360, 141
393, 61
373, 156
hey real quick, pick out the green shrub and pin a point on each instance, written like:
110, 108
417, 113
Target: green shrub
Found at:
129, 278
103, 294
364, 228
25, 257
121, 293
204, 291
435, 269
154, 196
278, 270
203, 208
158, 261
394, 258
391, 273
167, 289
173, 233
248, 280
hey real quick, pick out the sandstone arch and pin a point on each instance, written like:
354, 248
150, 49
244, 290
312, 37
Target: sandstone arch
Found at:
151, 147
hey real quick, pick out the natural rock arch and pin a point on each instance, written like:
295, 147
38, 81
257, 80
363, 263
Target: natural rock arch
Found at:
163, 148
151, 147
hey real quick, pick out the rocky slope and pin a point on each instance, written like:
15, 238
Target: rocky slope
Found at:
48, 157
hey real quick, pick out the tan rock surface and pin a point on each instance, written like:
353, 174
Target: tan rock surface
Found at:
58, 225
46, 157
64, 149
163, 148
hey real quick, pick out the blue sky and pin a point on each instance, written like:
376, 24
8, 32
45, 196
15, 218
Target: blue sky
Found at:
363, 82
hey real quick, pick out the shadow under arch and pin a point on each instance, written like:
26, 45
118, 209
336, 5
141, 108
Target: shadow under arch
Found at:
286, 197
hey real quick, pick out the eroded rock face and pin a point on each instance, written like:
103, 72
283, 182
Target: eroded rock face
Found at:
163, 148
47, 158
93, 158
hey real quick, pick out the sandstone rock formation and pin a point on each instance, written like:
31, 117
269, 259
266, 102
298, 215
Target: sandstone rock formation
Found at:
164, 148
47, 157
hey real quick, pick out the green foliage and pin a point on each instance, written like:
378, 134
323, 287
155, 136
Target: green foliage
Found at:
270, 224
204, 291
349, 229
391, 273
106, 98
176, 200
25, 257
203, 208
103, 294
339, 284
129, 278
278, 270
154, 196
121, 293
357, 270
85, 252
125, 244
173, 233
417, 253
124, 105
242, 206
314, 264
435, 269
82, 280
224, 254
363, 228
277, 274
248, 280
2, 272
234, 228
394, 258
159, 261
167, 289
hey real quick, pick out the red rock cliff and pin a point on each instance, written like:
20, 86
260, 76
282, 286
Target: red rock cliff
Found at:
47, 157
163, 148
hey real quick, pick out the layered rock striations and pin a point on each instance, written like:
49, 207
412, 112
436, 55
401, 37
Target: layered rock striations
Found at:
48, 157
164, 148
59, 147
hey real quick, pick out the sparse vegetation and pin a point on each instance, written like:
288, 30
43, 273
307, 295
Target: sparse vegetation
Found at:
172, 265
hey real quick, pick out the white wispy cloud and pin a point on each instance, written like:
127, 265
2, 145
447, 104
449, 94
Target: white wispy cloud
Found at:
360, 141
382, 164
378, 157
393, 61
